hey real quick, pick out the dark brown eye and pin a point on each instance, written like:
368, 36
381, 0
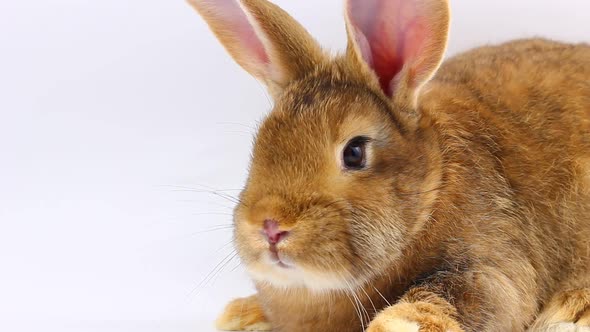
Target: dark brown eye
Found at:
353, 155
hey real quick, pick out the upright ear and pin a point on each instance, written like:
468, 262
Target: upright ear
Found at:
401, 41
263, 39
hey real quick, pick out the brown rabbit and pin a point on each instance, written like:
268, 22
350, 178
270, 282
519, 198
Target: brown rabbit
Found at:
388, 194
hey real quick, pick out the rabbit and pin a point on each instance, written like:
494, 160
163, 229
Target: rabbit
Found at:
389, 191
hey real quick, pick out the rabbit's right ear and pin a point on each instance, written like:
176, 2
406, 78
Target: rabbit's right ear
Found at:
400, 42
263, 39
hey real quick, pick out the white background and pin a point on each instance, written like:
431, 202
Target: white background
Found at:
105, 107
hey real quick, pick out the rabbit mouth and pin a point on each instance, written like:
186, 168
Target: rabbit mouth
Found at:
280, 259
280, 270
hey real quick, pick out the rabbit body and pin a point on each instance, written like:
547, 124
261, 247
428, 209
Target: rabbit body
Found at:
510, 228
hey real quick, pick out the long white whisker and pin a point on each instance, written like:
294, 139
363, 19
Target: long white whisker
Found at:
346, 291
218, 268
370, 300
361, 308
383, 297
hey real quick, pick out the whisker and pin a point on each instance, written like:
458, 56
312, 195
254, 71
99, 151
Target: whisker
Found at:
354, 304
235, 267
383, 297
238, 132
218, 268
212, 214
219, 271
218, 194
346, 293
229, 208
207, 189
359, 307
193, 188
213, 229
224, 246
370, 300
236, 124
360, 304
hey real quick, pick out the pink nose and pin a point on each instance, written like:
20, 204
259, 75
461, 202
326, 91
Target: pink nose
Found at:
272, 232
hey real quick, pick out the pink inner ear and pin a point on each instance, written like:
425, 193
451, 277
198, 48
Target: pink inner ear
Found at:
390, 35
236, 23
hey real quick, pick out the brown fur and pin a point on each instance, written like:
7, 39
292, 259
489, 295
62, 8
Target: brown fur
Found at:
474, 212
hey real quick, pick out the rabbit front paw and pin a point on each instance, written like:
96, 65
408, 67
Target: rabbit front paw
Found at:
567, 311
243, 314
413, 317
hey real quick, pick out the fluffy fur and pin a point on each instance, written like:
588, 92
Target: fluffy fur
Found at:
473, 213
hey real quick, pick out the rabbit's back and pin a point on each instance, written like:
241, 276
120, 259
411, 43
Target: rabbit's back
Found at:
527, 102
534, 86
518, 116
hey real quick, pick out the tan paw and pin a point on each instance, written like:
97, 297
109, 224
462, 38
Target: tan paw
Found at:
568, 311
244, 314
413, 317
584, 319
390, 324
561, 327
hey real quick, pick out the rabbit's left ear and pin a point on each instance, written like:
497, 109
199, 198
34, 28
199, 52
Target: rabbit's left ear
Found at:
263, 39
401, 41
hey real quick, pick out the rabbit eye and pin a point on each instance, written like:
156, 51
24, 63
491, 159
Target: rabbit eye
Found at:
353, 155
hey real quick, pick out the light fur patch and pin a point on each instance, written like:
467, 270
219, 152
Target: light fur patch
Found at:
394, 324
562, 327
295, 277
402, 325
262, 326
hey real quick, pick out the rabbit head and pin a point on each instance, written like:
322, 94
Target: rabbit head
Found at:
345, 167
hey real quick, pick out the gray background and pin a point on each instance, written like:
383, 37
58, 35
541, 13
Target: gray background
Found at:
109, 110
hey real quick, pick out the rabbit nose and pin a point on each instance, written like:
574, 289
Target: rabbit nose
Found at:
272, 233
